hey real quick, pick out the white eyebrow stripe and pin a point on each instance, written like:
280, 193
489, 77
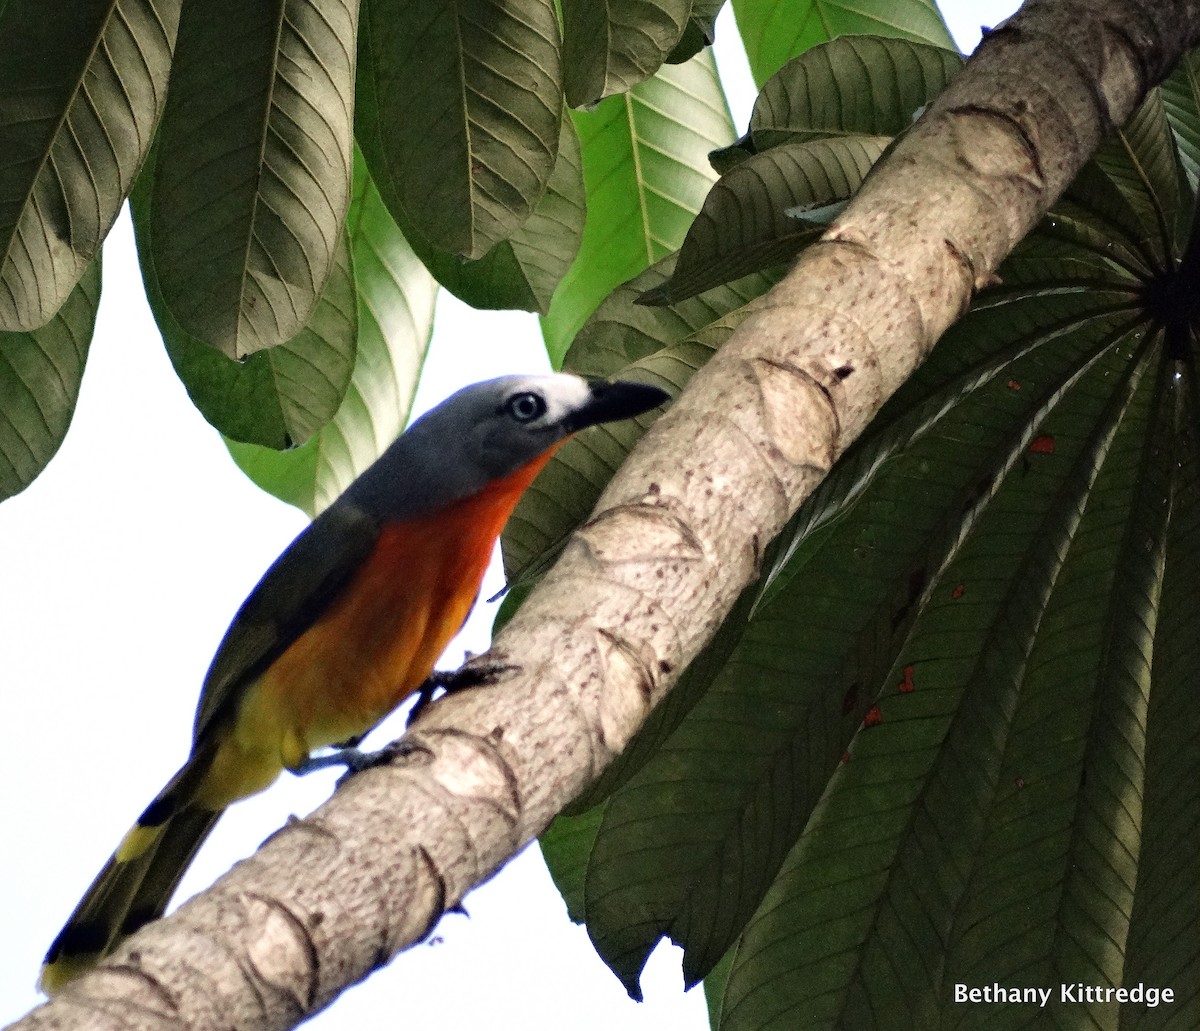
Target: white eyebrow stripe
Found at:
562, 392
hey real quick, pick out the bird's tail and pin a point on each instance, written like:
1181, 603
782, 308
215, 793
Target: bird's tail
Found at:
138, 880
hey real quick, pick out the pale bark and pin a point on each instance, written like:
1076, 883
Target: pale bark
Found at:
677, 536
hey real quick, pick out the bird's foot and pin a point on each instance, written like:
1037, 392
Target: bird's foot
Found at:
354, 759
451, 680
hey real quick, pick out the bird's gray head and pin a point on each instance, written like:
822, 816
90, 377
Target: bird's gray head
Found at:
493, 428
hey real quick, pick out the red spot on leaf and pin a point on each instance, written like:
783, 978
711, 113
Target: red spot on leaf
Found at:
906, 685
874, 717
1014, 384
1020, 782
1042, 446
845, 757
958, 592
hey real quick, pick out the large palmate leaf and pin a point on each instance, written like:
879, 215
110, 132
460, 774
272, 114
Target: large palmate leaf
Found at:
277, 397
610, 47
80, 93
772, 722
930, 745
252, 169
458, 114
955, 784
646, 170
775, 30
40, 373
395, 319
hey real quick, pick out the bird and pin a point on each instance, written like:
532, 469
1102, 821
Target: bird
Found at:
344, 626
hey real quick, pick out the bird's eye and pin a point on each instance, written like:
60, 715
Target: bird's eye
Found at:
526, 407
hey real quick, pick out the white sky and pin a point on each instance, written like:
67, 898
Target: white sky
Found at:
123, 564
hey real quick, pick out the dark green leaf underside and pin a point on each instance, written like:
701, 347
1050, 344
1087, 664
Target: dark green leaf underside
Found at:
458, 112
40, 372
252, 169
610, 47
79, 98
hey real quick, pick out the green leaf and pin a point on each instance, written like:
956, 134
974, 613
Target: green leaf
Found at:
278, 397
856, 85
80, 93
610, 47
395, 318
646, 171
775, 30
1181, 97
252, 173
622, 330
700, 31
885, 865
524, 270
1162, 946
565, 847
1142, 163
40, 372
458, 114
745, 225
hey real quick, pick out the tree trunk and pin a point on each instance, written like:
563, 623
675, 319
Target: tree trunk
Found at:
676, 537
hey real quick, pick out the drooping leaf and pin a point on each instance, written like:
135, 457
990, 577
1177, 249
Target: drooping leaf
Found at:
860, 85
610, 47
714, 989
566, 852
745, 224
80, 93
1142, 163
700, 31
775, 30
277, 397
395, 318
646, 171
252, 170
40, 373
458, 113
622, 330
1181, 97
524, 270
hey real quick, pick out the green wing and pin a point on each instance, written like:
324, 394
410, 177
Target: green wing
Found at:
299, 586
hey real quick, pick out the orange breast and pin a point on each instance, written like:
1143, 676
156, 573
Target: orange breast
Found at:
376, 644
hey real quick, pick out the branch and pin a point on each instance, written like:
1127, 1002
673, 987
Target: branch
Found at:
676, 537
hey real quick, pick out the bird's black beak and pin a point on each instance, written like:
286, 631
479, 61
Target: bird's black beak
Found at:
611, 401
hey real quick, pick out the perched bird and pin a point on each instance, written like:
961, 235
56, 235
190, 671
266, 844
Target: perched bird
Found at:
345, 625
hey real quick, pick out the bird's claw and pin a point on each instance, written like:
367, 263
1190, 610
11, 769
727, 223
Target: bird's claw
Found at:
451, 680
354, 759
